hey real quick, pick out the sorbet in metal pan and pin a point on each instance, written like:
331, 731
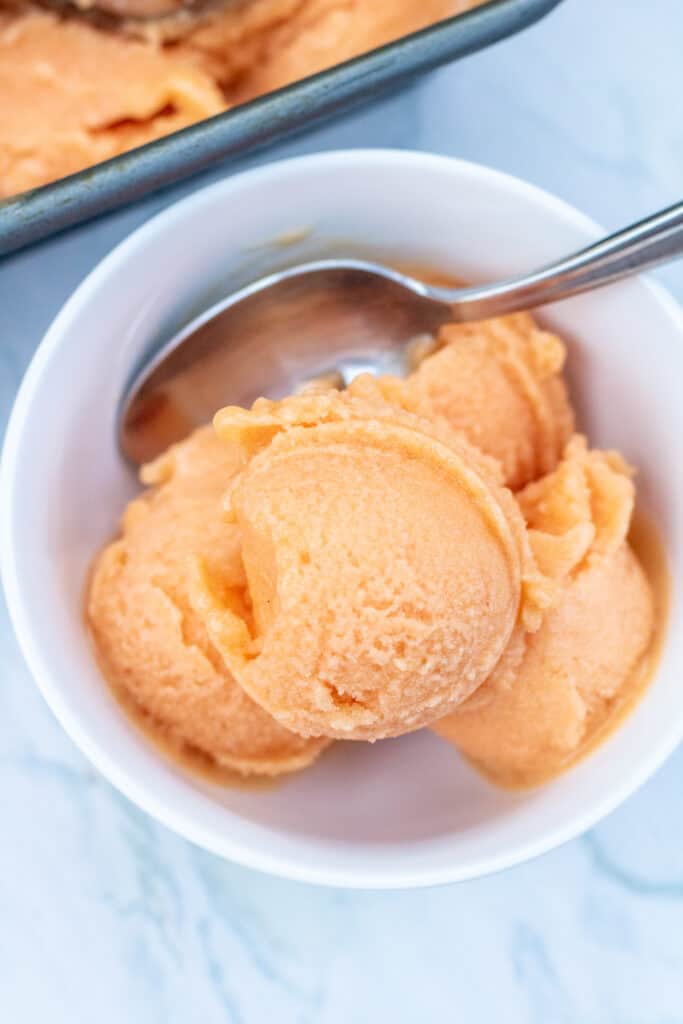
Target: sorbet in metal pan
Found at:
81, 83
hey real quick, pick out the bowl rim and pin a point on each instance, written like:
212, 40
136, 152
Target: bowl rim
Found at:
268, 860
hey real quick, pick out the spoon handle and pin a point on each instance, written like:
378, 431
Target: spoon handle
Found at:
654, 240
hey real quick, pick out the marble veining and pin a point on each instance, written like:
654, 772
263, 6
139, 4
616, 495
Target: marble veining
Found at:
107, 916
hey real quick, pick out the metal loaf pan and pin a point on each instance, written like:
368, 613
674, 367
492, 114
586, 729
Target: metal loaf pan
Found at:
34, 215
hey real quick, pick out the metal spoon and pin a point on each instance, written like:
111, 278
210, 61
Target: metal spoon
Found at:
342, 317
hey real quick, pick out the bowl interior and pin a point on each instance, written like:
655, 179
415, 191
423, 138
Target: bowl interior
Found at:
401, 812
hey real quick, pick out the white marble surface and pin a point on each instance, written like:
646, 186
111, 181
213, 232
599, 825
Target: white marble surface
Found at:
105, 916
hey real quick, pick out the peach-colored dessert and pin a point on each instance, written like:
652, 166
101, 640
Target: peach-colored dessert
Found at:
385, 563
554, 688
250, 47
152, 645
75, 91
73, 95
351, 565
500, 383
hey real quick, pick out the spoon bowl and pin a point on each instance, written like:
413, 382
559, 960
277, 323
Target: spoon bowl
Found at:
341, 317
325, 318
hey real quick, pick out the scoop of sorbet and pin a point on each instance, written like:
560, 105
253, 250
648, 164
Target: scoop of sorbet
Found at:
554, 688
386, 567
500, 383
152, 645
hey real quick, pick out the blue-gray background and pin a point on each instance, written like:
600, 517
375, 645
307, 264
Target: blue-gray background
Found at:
105, 916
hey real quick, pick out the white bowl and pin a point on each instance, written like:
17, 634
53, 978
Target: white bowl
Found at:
404, 812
